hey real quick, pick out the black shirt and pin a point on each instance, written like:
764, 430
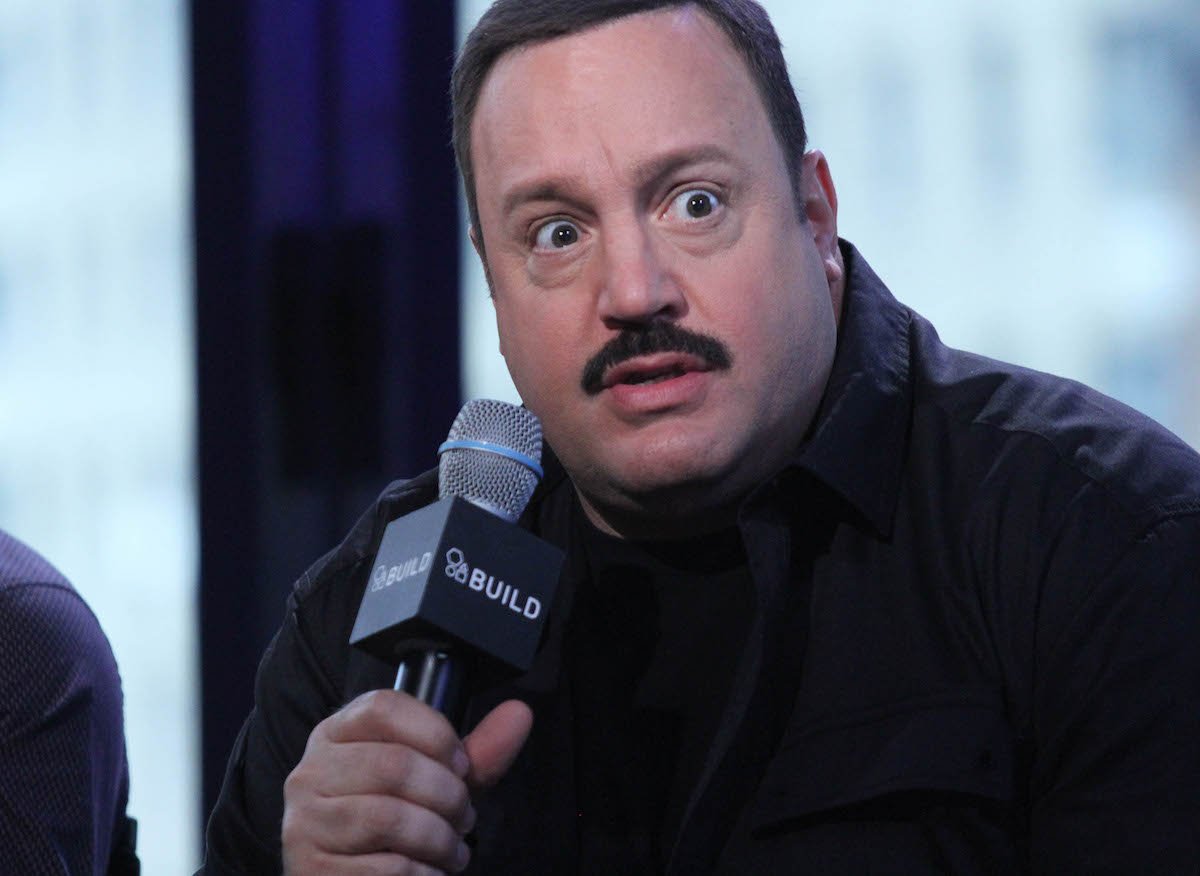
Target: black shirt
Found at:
972, 646
653, 643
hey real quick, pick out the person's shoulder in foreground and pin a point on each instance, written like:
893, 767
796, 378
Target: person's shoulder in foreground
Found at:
64, 779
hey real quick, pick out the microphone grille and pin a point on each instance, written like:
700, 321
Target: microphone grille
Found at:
500, 482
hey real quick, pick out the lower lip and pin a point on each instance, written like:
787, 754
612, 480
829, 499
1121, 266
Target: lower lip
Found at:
645, 398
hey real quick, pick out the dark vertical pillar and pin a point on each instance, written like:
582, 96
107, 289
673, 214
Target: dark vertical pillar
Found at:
327, 240
227, 446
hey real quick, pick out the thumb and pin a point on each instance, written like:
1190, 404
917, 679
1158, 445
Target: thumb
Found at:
494, 743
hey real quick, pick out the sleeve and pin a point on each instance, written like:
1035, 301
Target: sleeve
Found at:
305, 675
293, 693
1115, 782
63, 773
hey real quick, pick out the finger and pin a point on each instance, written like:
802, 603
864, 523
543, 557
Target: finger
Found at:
394, 716
494, 743
379, 864
392, 769
368, 824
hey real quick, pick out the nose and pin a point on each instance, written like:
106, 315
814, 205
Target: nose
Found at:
637, 285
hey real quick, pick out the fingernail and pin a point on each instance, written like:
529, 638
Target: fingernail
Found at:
460, 763
462, 858
468, 822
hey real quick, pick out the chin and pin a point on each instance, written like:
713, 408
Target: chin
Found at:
677, 478
654, 494
668, 510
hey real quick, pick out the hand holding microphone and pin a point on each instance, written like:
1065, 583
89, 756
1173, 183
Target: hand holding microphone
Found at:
384, 784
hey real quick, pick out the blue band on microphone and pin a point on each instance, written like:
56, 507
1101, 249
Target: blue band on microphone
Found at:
499, 449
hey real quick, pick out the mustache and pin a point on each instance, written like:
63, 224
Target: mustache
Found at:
658, 337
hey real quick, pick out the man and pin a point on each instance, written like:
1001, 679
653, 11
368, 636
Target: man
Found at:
64, 780
837, 599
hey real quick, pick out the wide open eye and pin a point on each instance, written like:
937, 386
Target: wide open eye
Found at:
556, 234
694, 204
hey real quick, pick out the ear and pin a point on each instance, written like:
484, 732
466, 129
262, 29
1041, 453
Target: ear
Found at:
820, 208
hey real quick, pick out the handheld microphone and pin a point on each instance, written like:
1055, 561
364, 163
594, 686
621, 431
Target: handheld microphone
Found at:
456, 583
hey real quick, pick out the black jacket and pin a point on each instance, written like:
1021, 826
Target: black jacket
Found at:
974, 649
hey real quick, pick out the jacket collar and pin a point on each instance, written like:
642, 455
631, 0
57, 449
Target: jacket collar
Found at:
859, 438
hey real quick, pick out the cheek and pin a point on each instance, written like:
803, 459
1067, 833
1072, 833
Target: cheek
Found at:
787, 340
539, 357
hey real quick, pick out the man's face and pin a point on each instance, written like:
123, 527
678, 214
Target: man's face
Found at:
661, 305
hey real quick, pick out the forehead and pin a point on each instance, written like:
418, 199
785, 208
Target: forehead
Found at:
639, 85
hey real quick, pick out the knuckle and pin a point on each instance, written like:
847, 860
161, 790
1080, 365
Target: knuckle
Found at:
429, 836
374, 705
296, 782
399, 765
380, 822
289, 833
312, 862
294, 835
441, 742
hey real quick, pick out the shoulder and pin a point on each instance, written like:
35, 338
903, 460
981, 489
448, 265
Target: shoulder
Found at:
44, 623
358, 547
21, 564
1028, 425
54, 656
323, 604
63, 772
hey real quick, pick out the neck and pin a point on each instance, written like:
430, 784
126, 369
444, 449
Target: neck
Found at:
660, 518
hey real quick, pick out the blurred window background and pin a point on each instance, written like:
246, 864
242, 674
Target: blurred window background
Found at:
96, 381
1026, 175
1023, 173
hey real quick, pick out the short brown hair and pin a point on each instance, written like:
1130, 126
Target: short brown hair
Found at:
511, 23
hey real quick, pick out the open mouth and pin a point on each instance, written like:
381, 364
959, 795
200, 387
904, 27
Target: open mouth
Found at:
654, 376
645, 371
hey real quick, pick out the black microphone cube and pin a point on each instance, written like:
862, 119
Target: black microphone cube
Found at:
453, 574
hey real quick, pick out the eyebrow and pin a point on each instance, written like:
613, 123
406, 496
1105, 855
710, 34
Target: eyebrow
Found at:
549, 189
646, 174
653, 170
